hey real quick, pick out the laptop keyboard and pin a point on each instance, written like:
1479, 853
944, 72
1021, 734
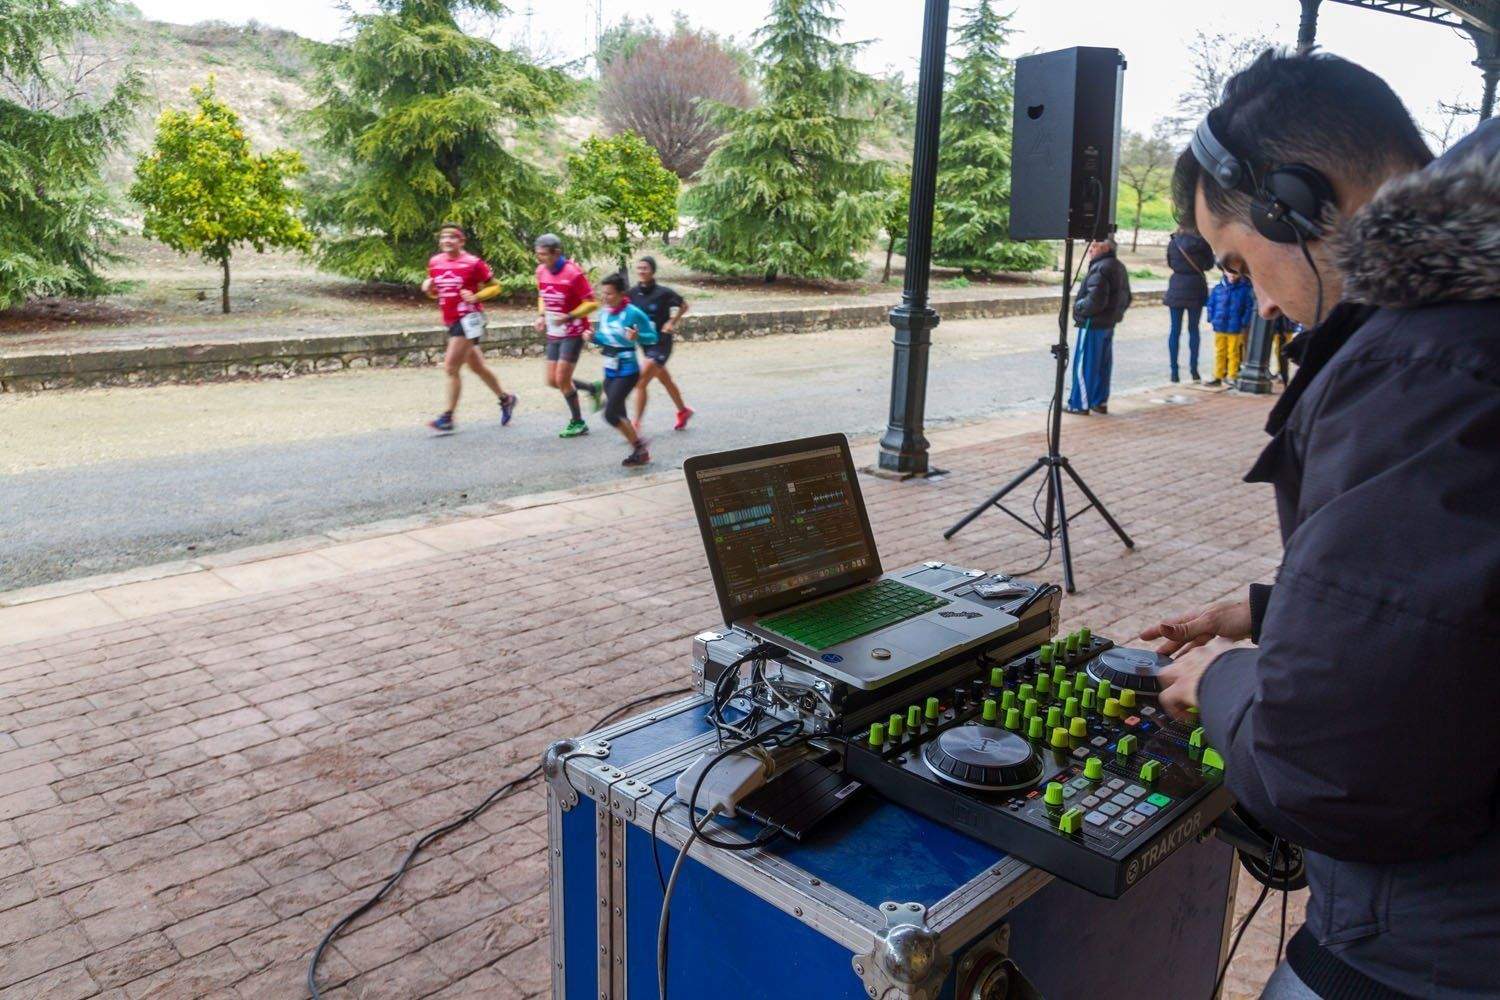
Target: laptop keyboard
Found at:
839, 619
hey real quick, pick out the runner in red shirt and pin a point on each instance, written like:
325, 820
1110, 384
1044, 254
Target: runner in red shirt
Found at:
460, 281
564, 302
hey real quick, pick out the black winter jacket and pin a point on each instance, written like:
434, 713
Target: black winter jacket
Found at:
1105, 294
1363, 726
1187, 288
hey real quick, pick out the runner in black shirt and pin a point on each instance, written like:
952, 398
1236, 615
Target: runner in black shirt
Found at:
658, 301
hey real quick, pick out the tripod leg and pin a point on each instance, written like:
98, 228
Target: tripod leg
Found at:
992, 501
1062, 527
1099, 506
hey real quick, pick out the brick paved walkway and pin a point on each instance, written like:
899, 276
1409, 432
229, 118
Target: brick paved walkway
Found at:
187, 801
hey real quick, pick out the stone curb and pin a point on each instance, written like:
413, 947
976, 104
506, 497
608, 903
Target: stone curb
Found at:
282, 357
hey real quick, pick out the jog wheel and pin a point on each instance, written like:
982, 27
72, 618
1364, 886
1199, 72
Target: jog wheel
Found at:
983, 758
1139, 669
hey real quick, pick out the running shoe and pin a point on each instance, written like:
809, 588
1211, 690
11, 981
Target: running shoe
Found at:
575, 428
683, 416
443, 424
639, 455
1102, 408
507, 407
1213, 383
596, 393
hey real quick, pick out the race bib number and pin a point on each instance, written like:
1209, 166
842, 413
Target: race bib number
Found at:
611, 362
557, 324
473, 324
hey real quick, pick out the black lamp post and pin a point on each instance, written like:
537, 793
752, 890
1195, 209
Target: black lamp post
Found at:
903, 449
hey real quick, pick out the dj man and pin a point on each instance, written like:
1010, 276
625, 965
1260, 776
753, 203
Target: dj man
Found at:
1363, 724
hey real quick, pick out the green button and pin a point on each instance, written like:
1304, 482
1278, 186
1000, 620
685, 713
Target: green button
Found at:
1071, 821
1053, 796
1127, 698
1070, 708
1078, 728
1059, 675
1093, 769
1211, 758
1026, 692
1150, 771
1073, 643
1085, 635
1103, 690
1080, 681
1112, 708
997, 677
1197, 738
1059, 738
1007, 700
1054, 717
914, 718
989, 710
1088, 699
1064, 690
877, 734
893, 725
1044, 654
1029, 710
1034, 728
1126, 746
1013, 719
932, 709
1043, 685
1158, 799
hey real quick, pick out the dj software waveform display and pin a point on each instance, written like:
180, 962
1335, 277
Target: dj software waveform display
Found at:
780, 524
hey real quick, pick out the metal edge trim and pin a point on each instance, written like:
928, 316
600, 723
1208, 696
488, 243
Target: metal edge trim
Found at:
634, 722
555, 895
1234, 888
961, 917
603, 887
617, 907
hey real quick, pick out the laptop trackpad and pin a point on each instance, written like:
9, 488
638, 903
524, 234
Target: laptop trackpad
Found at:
920, 637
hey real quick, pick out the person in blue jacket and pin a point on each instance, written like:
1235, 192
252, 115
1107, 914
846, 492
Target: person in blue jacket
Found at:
621, 327
1231, 308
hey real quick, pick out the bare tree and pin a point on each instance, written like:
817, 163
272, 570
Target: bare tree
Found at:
1145, 169
1451, 123
1214, 58
659, 91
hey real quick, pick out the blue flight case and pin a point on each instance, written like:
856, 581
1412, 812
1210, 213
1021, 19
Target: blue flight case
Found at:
877, 903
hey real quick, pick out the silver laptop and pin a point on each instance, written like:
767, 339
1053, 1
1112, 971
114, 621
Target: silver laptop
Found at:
794, 563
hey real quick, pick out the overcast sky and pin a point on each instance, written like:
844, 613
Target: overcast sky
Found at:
1425, 63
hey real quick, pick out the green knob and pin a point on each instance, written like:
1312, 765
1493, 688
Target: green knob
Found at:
1013, 719
877, 734
1078, 728
1071, 821
932, 710
1059, 738
1087, 701
1126, 746
1007, 699
1211, 758
1059, 674
1127, 698
1112, 709
1054, 717
1070, 708
1030, 708
1197, 738
990, 710
1064, 690
1103, 690
1044, 654
894, 727
1034, 728
1080, 680
1093, 769
997, 677
1150, 771
914, 718
1073, 644
1043, 685
1053, 796
1026, 692
1085, 636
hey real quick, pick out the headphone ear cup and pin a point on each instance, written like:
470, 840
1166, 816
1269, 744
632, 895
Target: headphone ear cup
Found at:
1297, 187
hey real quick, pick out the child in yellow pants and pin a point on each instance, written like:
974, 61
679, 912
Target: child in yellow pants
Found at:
1231, 307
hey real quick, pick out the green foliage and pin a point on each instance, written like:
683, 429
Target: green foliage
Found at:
1143, 272
55, 223
418, 111
895, 213
973, 185
957, 281
1145, 174
788, 190
620, 185
205, 192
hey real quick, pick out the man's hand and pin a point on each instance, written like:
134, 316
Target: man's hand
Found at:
1180, 681
1226, 619
631, 333
428, 290
540, 325
468, 296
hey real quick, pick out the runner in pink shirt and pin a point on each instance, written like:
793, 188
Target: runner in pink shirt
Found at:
460, 281
564, 302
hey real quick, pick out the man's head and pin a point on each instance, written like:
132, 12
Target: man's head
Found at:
450, 238
645, 269
1099, 248
612, 290
548, 249
1314, 109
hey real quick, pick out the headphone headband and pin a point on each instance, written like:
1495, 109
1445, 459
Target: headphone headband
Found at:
1214, 157
1287, 202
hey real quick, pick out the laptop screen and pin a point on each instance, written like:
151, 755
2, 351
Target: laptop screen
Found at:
782, 523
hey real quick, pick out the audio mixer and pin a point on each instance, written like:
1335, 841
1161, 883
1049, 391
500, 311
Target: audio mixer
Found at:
1060, 757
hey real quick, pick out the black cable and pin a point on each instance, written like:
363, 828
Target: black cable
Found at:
1244, 924
502, 792
1307, 256
661, 879
1281, 935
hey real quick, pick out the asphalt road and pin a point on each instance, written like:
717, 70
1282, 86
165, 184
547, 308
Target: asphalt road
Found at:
105, 480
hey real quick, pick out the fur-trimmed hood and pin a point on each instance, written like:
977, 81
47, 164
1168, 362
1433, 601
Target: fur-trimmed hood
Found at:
1432, 235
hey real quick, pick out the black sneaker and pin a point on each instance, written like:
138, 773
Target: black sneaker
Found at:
1101, 408
639, 455
1076, 413
1213, 383
1175, 377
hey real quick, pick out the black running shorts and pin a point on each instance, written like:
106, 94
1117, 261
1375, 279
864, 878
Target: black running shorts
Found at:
660, 351
564, 349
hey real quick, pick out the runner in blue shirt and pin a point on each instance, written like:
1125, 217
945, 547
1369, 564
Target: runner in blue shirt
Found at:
621, 327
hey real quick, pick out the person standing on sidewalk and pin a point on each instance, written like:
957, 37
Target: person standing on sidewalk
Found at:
564, 302
1231, 309
1101, 304
460, 281
658, 301
1189, 256
622, 326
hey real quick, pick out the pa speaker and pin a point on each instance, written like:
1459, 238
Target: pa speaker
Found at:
1066, 144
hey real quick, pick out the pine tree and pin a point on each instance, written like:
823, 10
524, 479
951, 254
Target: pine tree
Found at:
418, 111
788, 190
55, 227
973, 184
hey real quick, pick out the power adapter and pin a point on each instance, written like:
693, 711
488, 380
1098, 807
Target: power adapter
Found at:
727, 782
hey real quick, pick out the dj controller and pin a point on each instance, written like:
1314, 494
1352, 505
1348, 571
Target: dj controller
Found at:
1060, 757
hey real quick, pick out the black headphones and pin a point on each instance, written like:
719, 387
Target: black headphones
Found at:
1286, 202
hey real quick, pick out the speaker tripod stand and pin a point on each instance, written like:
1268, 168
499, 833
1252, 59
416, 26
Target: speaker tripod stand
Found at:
1054, 465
